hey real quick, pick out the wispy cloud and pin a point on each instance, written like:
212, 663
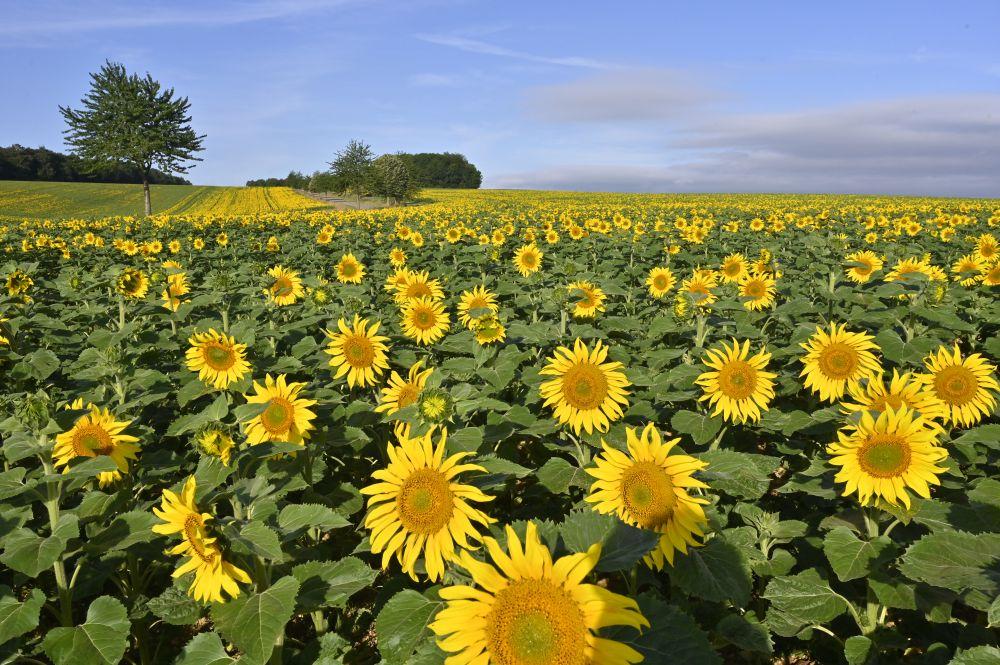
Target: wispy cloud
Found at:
486, 48
432, 80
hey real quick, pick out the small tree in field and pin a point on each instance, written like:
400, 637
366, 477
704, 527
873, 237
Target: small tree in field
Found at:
352, 167
128, 119
391, 178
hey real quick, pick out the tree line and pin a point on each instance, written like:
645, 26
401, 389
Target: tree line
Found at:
18, 162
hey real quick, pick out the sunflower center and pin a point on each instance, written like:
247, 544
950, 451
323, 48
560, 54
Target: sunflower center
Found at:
884, 456
528, 260
418, 290
424, 319
348, 269
737, 379
408, 394
282, 287
277, 417
425, 502
219, 357
956, 384
755, 289
584, 386
91, 440
535, 622
732, 269
192, 534
838, 361
359, 351
660, 282
648, 494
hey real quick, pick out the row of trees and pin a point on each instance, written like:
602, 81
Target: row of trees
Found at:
18, 162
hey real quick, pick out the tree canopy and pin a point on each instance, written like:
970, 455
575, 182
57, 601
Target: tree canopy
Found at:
443, 169
18, 162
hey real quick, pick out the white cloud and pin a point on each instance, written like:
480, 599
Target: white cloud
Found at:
431, 80
485, 48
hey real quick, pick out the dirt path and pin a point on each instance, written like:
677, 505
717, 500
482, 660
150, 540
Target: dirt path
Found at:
340, 203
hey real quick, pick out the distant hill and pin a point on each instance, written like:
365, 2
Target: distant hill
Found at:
20, 163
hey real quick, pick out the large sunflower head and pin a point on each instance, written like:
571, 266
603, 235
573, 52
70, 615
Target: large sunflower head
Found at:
860, 266
475, 303
757, 290
903, 390
699, 287
987, 247
838, 360
990, 274
417, 506
880, 458
418, 285
401, 393
648, 488
587, 299
526, 609
424, 320
132, 283
285, 415
736, 383
733, 268
286, 286
94, 434
966, 386
358, 352
397, 257
217, 358
586, 392
910, 271
966, 269
350, 270
660, 281
528, 259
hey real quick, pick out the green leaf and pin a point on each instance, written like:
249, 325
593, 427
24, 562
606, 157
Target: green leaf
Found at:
745, 632
27, 553
743, 475
954, 560
717, 572
700, 427
204, 649
557, 476
254, 621
102, 639
17, 618
622, 545
402, 625
852, 558
673, 636
11, 483
859, 650
331, 583
125, 530
298, 517
175, 607
982, 655
259, 539
801, 600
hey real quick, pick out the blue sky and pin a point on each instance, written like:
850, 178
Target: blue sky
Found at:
894, 97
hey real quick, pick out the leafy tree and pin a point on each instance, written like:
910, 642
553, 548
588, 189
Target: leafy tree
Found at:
391, 178
352, 166
20, 163
443, 169
128, 119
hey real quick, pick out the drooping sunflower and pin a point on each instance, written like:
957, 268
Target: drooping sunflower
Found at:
965, 385
966, 269
660, 281
488, 329
526, 609
699, 287
132, 283
217, 358
737, 384
212, 573
418, 507
757, 290
838, 360
733, 268
528, 259
401, 393
94, 434
424, 320
350, 270
904, 390
587, 299
418, 285
177, 286
860, 266
648, 488
285, 418
358, 352
586, 392
479, 298
217, 443
881, 458
286, 287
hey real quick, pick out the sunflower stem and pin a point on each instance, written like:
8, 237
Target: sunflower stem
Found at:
53, 496
121, 312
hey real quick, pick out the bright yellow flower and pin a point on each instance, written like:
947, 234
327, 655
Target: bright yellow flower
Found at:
94, 434
737, 384
217, 358
286, 416
838, 360
587, 392
358, 352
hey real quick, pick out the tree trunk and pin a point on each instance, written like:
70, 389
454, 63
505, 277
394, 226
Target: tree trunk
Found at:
145, 194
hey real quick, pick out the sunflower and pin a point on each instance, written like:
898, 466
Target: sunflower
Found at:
838, 361
526, 609
132, 283
860, 266
396, 279
19, 283
488, 329
904, 390
217, 443
587, 392
350, 270
424, 320
358, 352
991, 275
418, 285
881, 458
222, 239
217, 358
757, 290
94, 434
909, 271
419, 507
397, 257
699, 287
964, 385
660, 281
286, 417
401, 393
479, 298
733, 268
212, 573
647, 488
737, 385
272, 244
286, 288
587, 301
5, 333
177, 286
966, 269
528, 259
987, 247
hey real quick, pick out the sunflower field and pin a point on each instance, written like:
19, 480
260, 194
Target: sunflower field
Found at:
508, 428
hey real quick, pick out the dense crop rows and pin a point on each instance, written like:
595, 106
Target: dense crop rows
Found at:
505, 428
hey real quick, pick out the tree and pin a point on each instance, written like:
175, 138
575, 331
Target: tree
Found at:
352, 166
391, 178
128, 119
443, 169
